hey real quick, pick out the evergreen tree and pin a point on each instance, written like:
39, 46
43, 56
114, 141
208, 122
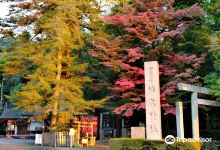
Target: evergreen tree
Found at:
6, 83
213, 22
49, 60
213, 79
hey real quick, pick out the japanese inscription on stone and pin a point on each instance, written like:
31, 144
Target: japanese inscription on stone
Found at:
152, 100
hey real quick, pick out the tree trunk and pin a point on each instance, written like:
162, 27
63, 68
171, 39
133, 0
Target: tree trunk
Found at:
56, 94
54, 115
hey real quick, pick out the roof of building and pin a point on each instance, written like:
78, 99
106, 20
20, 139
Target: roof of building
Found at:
14, 114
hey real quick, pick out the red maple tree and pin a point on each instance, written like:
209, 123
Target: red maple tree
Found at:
147, 29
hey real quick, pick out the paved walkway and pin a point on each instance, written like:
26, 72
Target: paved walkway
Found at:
23, 144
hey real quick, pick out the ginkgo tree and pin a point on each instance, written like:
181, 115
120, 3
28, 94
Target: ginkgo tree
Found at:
143, 31
48, 58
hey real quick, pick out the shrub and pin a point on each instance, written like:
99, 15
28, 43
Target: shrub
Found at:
213, 145
214, 134
135, 144
144, 144
184, 146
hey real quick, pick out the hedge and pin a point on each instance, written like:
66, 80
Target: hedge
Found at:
184, 146
143, 144
214, 134
213, 145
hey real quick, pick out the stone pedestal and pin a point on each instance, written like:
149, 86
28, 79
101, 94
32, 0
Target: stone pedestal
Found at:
138, 132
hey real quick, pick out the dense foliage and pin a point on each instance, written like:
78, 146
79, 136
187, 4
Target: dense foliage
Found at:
204, 38
213, 79
145, 33
51, 67
48, 61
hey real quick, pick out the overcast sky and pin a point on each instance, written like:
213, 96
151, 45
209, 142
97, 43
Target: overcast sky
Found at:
4, 9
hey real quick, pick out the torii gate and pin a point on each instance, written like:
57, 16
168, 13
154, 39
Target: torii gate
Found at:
195, 102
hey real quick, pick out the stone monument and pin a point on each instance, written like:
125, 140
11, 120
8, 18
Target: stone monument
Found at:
152, 101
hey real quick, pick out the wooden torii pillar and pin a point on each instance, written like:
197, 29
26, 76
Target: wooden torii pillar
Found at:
195, 102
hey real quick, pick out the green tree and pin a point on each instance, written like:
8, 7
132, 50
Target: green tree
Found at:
213, 79
6, 84
213, 19
204, 38
49, 60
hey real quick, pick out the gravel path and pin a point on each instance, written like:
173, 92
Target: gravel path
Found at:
16, 141
23, 144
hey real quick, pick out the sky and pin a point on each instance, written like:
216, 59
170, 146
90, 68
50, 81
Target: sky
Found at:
4, 9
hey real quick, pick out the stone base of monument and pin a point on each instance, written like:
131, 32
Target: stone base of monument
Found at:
138, 132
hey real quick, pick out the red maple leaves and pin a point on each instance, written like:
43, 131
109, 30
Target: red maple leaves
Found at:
148, 28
